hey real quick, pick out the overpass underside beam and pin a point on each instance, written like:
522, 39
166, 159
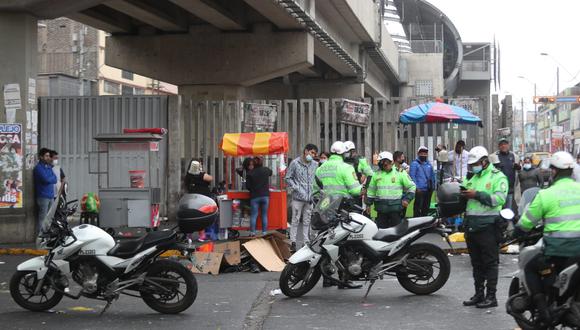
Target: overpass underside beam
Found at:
206, 56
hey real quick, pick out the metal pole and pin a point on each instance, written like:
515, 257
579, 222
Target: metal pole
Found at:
536, 144
523, 135
557, 81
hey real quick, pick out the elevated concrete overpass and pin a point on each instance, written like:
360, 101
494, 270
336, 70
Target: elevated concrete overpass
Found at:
211, 49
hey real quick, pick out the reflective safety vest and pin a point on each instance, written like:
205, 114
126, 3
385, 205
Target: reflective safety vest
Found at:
337, 178
558, 207
386, 190
493, 185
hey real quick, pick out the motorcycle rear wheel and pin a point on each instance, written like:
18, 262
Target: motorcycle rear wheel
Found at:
27, 281
426, 258
173, 276
294, 274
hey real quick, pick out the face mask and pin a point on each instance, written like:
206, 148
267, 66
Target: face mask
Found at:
55, 162
322, 161
527, 166
422, 158
477, 169
309, 158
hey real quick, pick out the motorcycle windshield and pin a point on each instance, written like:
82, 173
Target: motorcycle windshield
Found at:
325, 211
527, 198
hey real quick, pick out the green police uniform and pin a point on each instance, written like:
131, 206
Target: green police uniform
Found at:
482, 235
559, 209
386, 192
337, 178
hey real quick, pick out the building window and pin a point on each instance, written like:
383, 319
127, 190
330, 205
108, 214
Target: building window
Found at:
127, 90
139, 91
424, 88
112, 88
127, 75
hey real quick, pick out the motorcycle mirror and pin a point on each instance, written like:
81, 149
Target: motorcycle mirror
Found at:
507, 214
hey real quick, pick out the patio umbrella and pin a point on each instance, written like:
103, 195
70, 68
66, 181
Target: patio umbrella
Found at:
435, 112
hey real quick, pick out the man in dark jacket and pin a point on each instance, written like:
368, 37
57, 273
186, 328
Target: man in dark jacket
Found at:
44, 181
258, 183
424, 177
509, 166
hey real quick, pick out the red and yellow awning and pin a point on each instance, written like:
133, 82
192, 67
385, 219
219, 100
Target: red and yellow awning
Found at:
248, 144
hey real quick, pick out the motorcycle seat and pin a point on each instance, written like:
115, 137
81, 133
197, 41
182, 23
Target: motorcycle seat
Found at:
406, 226
126, 248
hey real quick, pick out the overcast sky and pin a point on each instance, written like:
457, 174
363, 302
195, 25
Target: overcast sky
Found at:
523, 29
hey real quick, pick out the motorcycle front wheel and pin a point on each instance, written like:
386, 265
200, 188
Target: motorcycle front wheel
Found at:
23, 287
298, 279
169, 287
427, 269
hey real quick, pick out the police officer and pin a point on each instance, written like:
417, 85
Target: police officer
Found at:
486, 192
386, 192
363, 170
337, 178
558, 209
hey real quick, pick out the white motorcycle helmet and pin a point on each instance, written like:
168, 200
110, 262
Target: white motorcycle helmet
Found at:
385, 155
338, 148
562, 160
476, 154
349, 145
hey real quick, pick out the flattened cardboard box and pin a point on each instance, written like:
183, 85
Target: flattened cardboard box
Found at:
206, 262
263, 252
231, 251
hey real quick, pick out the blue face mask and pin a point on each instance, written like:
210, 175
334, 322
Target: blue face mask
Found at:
309, 158
477, 169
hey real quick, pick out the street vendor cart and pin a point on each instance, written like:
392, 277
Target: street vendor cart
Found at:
129, 180
273, 147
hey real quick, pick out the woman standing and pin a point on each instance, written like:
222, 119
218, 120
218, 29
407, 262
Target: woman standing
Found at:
197, 182
529, 177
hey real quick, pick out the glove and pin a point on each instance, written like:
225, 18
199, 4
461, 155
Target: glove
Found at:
517, 233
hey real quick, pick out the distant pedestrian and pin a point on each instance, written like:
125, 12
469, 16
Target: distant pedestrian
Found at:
299, 177
424, 177
58, 172
509, 166
459, 158
197, 181
323, 157
258, 183
576, 173
529, 177
44, 181
399, 160
445, 167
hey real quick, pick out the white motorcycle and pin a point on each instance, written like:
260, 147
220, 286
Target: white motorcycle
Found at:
104, 269
350, 247
563, 294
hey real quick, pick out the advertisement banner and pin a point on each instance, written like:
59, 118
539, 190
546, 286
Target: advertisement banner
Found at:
259, 117
469, 104
355, 113
11, 165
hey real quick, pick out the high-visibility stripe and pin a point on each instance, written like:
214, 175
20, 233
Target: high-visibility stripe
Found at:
353, 186
494, 202
482, 212
388, 198
532, 218
563, 234
390, 187
563, 218
261, 143
570, 202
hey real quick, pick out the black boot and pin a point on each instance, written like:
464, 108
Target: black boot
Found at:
351, 285
490, 300
476, 299
326, 283
543, 310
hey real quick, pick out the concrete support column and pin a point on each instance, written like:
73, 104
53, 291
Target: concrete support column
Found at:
18, 60
174, 153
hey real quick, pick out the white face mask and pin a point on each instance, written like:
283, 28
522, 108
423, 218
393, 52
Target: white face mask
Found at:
55, 162
527, 166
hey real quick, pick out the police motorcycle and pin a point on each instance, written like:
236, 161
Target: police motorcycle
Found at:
104, 269
563, 295
349, 247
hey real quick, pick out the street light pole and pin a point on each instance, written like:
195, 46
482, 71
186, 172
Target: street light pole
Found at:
536, 144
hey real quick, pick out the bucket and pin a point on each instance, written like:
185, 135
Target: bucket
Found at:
137, 178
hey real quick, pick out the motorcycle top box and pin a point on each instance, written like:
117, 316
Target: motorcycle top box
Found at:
449, 200
196, 212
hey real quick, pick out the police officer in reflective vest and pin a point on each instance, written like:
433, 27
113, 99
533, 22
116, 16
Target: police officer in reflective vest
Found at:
336, 177
558, 209
486, 192
363, 170
386, 192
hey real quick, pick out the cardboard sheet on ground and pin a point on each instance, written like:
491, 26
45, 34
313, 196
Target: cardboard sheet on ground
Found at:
263, 252
206, 262
231, 251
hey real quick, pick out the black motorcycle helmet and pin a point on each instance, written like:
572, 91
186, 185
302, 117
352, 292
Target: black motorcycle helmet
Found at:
449, 200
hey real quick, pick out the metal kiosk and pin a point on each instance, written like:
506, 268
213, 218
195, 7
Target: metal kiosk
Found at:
128, 171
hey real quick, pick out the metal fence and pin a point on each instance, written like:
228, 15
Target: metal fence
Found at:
68, 125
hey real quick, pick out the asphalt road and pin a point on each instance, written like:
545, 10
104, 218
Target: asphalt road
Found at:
243, 300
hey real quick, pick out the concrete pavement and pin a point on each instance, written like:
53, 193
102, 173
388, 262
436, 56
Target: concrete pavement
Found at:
243, 301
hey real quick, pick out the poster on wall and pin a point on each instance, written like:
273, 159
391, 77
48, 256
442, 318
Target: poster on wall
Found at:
11, 162
355, 113
469, 104
259, 117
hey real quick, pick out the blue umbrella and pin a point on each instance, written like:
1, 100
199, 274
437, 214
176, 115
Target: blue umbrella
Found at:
435, 112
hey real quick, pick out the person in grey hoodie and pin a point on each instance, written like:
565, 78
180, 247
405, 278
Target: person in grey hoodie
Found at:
299, 178
529, 176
